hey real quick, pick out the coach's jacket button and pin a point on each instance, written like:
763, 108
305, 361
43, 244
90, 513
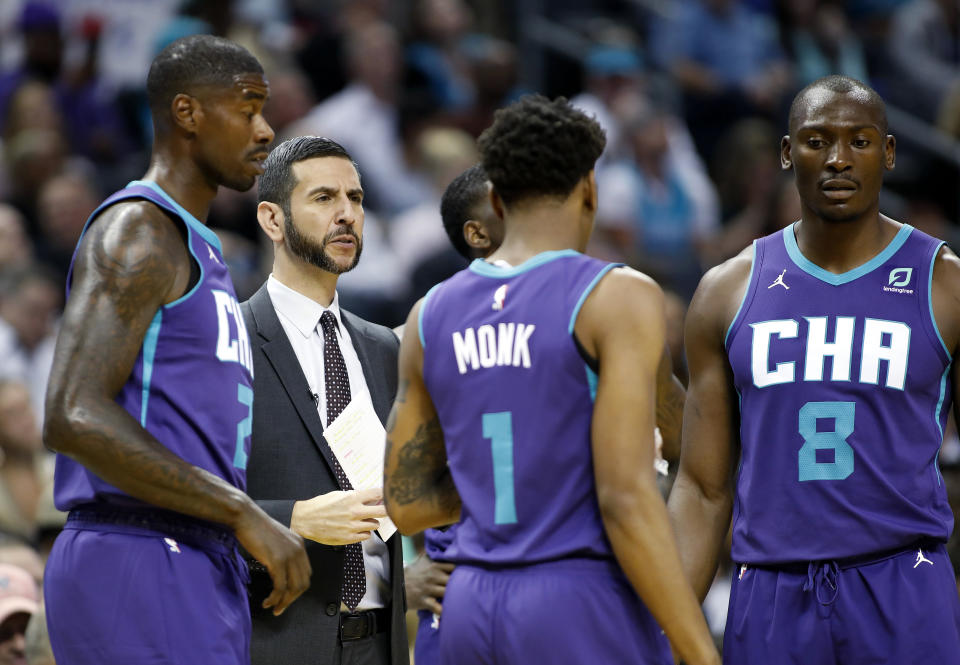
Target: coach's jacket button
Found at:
331, 609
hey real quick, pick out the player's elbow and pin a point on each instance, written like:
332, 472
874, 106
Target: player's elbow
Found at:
408, 521
62, 420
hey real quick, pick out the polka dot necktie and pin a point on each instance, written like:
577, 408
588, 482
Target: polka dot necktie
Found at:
338, 397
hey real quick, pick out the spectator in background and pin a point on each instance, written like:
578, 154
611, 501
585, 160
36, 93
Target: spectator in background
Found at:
364, 118
611, 72
816, 36
437, 67
30, 301
16, 250
493, 66
37, 649
21, 480
924, 50
659, 207
19, 600
35, 146
728, 62
93, 124
417, 235
64, 203
15, 552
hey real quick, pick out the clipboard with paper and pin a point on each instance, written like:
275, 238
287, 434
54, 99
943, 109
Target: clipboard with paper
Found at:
358, 439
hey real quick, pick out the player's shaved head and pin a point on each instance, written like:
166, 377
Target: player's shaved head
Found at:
823, 89
190, 63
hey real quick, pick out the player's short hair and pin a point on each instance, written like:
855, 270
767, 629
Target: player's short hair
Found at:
190, 62
841, 85
458, 204
278, 180
539, 147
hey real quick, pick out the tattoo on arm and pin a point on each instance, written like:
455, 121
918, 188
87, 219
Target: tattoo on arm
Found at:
422, 472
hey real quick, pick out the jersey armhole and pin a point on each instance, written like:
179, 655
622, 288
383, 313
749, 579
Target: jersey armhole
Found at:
748, 292
420, 314
587, 291
933, 331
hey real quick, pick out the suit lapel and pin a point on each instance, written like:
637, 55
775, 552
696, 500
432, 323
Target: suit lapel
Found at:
368, 351
278, 352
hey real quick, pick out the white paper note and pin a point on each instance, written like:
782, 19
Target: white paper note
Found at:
358, 440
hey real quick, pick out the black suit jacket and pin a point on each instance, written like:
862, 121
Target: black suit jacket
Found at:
290, 461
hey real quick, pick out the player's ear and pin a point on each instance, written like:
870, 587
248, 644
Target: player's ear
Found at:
186, 112
786, 160
270, 218
590, 191
890, 152
499, 209
476, 235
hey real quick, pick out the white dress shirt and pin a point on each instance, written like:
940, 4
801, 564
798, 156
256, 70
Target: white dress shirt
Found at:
300, 318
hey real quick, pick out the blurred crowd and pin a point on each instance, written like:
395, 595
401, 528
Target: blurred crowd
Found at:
693, 95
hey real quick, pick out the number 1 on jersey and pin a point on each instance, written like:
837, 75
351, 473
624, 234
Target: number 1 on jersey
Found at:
842, 414
498, 427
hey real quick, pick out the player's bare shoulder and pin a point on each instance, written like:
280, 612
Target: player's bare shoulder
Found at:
945, 296
721, 290
135, 245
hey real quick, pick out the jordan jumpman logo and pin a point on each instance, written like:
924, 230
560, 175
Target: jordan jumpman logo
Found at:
780, 281
921, 559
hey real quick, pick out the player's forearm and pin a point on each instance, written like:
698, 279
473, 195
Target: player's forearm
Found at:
639, 531
670, 401
700, 523
104, 438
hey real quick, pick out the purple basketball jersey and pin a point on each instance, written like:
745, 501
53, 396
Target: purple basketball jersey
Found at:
844, 393
192, 383
515, 401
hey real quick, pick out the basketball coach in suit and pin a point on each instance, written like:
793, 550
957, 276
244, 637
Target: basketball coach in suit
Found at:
311, 360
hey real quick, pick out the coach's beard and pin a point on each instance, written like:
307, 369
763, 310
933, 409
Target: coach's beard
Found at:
316, 254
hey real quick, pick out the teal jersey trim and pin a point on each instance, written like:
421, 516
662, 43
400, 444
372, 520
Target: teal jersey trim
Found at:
586, 292
189, 219
936, 417
933, 319
423, 307
592, 380
485, 269
192, 225
203, 273
149, 351
812, 269
746, 292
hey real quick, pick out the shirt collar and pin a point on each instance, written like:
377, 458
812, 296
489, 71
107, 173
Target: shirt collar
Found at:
303, 312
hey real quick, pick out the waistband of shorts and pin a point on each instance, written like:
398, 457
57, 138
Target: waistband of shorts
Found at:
929, 544
579, 565
153, 522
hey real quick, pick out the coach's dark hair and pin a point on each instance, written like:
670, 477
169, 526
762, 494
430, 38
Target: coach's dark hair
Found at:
539, 147
190, 62
277, 182
459, 203
841, 85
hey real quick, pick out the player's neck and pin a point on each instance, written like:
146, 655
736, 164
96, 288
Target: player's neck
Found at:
534, 231
183, 181
308, 280
839, 247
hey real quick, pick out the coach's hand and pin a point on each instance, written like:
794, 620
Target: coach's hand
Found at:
426, 581
280, 550
339, 518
